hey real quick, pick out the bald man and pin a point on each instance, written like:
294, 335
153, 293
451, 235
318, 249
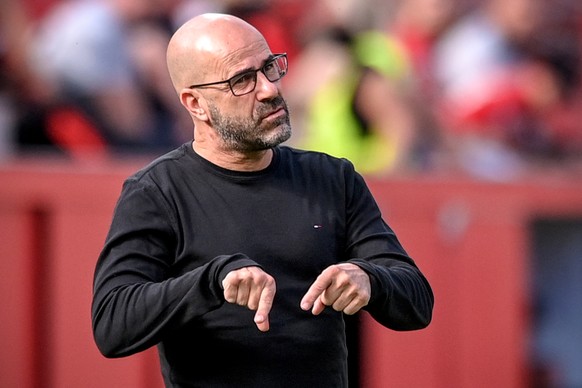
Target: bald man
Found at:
238, 257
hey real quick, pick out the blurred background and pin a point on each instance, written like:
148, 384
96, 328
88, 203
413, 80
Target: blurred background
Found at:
465, 117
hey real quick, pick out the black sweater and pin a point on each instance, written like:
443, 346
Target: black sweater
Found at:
181, 224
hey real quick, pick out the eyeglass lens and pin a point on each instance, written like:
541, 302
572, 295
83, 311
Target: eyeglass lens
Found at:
274, 70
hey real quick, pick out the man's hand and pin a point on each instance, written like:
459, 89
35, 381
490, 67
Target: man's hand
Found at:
345, 287
253, 288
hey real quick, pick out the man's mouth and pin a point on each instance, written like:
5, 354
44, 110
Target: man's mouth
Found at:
274, 113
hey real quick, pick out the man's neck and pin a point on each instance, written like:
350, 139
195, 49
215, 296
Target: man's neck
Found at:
235, 160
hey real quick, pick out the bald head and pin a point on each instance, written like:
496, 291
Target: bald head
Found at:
204, 43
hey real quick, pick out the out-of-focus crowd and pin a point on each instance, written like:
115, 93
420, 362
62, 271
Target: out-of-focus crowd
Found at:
488, 88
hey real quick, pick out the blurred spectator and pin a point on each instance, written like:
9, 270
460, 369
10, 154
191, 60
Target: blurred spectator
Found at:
499, 89
98, 103
354, 84
17, 83
359, 113
280, 21
183, 10
418, 26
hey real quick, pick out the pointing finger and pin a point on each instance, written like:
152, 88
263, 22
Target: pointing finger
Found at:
316, 291
265, 304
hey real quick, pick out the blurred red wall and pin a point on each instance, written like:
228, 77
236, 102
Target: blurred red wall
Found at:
470, 238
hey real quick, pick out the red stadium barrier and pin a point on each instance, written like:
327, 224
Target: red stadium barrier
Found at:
470, 238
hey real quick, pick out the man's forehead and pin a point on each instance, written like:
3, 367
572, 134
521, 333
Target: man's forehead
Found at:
250, 57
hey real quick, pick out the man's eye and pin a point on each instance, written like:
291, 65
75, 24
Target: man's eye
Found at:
243, 79
269, 67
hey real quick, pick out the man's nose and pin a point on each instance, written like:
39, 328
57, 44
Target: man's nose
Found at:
266, 89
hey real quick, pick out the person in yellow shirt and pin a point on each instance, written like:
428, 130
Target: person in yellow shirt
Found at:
361, 112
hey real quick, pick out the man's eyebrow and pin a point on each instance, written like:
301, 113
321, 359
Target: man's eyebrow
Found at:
249, 69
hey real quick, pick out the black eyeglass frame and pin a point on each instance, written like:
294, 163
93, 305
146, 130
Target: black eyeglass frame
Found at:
268, 62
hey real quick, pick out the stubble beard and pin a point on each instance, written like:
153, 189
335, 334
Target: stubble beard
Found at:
252, 134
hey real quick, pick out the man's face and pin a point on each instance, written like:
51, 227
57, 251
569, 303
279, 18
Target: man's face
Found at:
267, 127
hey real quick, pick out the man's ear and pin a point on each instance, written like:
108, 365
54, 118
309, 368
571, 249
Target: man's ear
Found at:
194, 104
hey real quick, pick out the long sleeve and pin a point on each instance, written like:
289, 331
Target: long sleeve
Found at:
136, 299
181, 224
402, 298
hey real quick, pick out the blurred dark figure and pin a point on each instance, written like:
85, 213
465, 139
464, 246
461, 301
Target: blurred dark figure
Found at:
103, 93
19, 87
556, 343
508, 72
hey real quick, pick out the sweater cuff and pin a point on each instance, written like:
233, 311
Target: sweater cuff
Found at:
374, 282
232, 263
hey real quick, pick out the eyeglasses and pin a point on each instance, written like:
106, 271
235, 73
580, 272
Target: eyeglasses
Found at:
274, 69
